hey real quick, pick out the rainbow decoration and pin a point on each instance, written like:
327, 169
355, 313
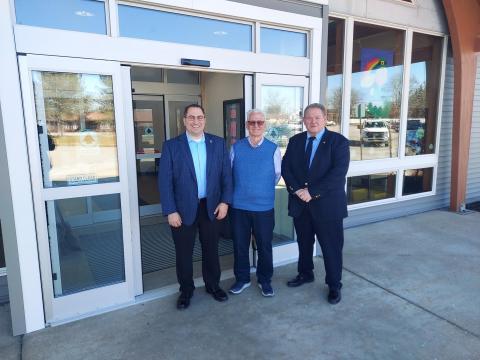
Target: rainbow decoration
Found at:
375, 63
372, 59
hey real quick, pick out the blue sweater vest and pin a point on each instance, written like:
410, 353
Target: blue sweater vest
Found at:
253, 176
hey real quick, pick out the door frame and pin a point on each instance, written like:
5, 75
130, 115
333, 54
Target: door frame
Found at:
81, 303
284, 253
132, 165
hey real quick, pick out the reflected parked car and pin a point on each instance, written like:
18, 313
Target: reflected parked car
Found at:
375, 131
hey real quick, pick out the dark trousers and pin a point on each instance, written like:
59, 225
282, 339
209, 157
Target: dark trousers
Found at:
184, 239
261, 224
330, 237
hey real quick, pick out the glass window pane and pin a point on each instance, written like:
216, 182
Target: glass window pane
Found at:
283, 42
175, 117
423, 96
152, 24
377, 77
371, 187
336, 30
417, 181
139, 73
183, 77
77, 15
149, 121
283, 106
76, 118
86, 250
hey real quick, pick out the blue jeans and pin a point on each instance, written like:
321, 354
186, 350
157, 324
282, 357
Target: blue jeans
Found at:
261, 224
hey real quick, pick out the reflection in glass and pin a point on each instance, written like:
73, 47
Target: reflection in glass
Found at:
336, 30
417, 181
149, 122
76, 119
377, 71
283, 106
283, 42
152, 24
77, 15
371, 187
423, 94
86, 244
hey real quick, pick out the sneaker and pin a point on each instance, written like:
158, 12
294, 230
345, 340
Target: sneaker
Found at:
238, 287
267, 290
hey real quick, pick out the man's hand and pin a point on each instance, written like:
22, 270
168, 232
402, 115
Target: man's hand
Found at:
221, 211
174, 220
304, 195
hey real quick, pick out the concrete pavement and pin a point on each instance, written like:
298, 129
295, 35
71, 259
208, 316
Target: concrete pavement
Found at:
411, 291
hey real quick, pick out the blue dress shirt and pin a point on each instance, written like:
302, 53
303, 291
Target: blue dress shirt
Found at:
315, 144
198, 149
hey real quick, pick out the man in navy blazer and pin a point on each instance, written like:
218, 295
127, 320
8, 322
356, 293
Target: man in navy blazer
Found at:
195, 182
314, 168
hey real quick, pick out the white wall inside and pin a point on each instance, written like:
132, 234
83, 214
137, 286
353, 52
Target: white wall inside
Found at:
216, 88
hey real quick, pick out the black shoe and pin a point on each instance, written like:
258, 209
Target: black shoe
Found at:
300, 279
183, 300
334, 296
218, 294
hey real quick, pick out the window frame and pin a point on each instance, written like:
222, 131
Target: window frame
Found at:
401, 162
261, 25
107, 5
192, 13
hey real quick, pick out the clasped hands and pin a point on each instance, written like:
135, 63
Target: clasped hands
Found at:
304, 195
175, 220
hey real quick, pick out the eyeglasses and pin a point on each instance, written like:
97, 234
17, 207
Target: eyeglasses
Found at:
256, 123
192, 118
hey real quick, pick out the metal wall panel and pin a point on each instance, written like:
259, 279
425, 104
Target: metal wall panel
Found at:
423, 14
442, 197
292, 6
473, 178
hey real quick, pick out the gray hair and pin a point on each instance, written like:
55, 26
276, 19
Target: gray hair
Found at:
316, 106
254, 111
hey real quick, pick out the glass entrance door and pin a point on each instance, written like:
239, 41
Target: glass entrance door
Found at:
76, 147
282, 98
149, 128
156, 118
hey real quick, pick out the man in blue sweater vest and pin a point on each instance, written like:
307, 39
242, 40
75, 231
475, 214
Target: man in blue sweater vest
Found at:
256, 165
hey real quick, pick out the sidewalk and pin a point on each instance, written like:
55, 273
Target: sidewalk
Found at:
411, 291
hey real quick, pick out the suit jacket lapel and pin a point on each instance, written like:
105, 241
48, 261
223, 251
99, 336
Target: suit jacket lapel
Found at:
317, 156
188, 155
209, 146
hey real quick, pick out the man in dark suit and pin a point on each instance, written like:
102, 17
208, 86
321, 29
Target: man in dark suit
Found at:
195, 182
314, 169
